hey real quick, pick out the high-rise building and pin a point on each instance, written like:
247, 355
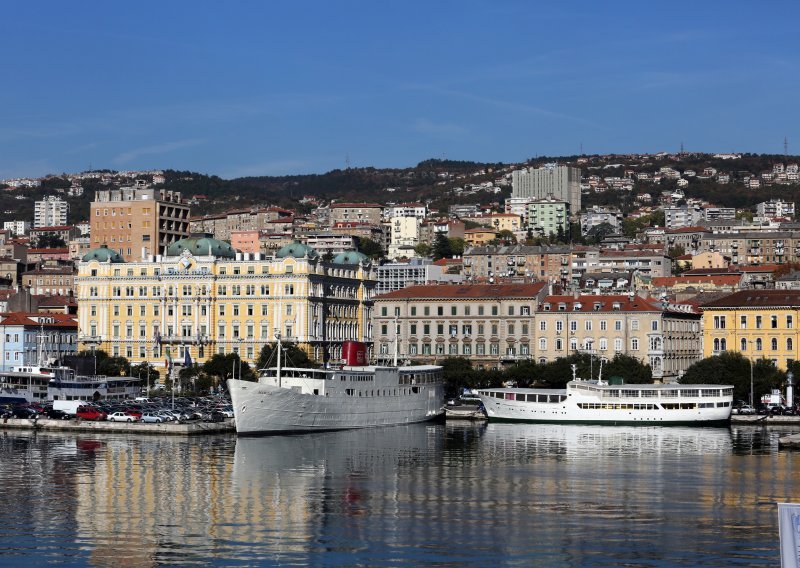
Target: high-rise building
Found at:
138, 222
559, 182
50, 212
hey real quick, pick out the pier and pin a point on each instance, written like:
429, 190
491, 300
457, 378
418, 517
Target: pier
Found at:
194, 428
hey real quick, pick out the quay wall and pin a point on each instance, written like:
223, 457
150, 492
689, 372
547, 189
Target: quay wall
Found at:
161, 429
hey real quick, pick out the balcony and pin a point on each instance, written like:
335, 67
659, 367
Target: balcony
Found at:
92, 339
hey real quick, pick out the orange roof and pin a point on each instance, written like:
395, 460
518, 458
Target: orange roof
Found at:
24, 318
465, 291
714, 280
48, 251
54, 228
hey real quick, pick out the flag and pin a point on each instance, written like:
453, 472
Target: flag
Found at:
187, 359
168, 361
158, 338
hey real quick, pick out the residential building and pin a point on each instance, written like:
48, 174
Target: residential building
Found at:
138, 222
479, 236
204, 297
548, 217
27, 336
330, 243
63, 232
499, 221
356, 212
419, 210
775, 208
398, 275
551, 181
405, 235
546, 264
17, 228
666, 337
648, 263
50, 211
490, 325
761, 324
598, 216
683, 216
50, 281
718, 213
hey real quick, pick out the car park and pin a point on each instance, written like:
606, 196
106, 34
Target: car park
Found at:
90, 413
744, 409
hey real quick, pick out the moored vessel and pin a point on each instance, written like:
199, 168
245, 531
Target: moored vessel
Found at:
355, 395
598, 402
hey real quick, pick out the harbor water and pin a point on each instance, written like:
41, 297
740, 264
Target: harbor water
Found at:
419, 495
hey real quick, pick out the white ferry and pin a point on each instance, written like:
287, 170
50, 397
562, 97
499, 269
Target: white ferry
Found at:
36, 383
354, 396
597, 402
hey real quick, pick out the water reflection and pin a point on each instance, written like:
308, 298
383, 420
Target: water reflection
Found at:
470, 494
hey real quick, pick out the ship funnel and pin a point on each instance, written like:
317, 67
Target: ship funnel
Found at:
354, 353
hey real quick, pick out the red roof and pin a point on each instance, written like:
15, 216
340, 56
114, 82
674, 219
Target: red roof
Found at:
757, 299
714, 280
759, 268
48, 251
54, 228
355, 205
599, 303
465, 291
48, 320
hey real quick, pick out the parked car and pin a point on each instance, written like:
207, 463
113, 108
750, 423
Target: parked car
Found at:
147, 417
121, 417
90, 413
23, 412
56, 414
744, 409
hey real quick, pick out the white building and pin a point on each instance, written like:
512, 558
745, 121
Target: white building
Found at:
775, 208
597, 216
404, 236
397, 275
50, 212
685, 216
559, 182
418, 210
17, 228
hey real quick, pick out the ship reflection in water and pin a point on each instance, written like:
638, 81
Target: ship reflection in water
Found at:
471, 494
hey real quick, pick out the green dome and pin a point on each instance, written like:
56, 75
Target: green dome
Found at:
350, 257
296, 250
202, 246
103, 254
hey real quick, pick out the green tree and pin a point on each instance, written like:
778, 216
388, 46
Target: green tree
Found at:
114, 367
457, 245
733, 368
441, 247
292, 356
507, 237
223, 367
457, 373
423, 249
631, 369
370, 248
50, 240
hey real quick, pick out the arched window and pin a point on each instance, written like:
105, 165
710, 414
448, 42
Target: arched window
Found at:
774, 344
744, 345
759, 344
716, 344
789, 344
723, 344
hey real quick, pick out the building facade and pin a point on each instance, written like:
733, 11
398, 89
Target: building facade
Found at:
559, 182
761, 324
204, 298
398, 275
29, 337
548, 217
491, 325
138, 222
50, 212
668, 338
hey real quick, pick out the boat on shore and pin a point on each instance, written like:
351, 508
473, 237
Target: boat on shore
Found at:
598, 402
38, 383
354, 395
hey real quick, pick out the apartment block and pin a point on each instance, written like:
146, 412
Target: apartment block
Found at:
50, 212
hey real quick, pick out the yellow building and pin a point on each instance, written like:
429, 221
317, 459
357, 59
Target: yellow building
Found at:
479, 236
759, 323
205, 298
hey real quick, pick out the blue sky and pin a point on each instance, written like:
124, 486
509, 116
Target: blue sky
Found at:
274, 88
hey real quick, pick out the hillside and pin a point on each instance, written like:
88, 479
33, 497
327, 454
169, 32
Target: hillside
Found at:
437, 182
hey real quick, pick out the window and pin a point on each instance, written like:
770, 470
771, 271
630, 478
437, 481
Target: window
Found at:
758, 322
511, 329
413, 310
719, 322
236, 309
743, 345
221, 309
494, 310
426, 329
634, 344
634, 325
773, 322
426, 310
603, 343
384, 329
511, 310
774, 344
587, 325
466, 310
759, 345
542, 325
573, 326
494, 329
440, 329
654, 325
413, 329
618, 344
603, 325
789, 322
542, 344
559, 344
440, 310
453, 310
480, 310
494, 349
789, 344
559, 326
618, 325
743, 322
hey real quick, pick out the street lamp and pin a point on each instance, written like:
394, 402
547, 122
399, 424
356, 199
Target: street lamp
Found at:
751, 375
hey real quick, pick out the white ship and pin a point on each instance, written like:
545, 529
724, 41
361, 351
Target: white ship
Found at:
356, 395
597, 402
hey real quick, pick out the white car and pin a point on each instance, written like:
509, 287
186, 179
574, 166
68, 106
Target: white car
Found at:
120, 417
152, 418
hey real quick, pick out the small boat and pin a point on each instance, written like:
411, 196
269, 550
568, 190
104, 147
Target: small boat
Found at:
354, 395
597, 402
465, 412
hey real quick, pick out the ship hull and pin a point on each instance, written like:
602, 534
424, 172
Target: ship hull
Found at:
262, 409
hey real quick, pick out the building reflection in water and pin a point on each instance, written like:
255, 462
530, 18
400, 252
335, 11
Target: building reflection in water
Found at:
391, 494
